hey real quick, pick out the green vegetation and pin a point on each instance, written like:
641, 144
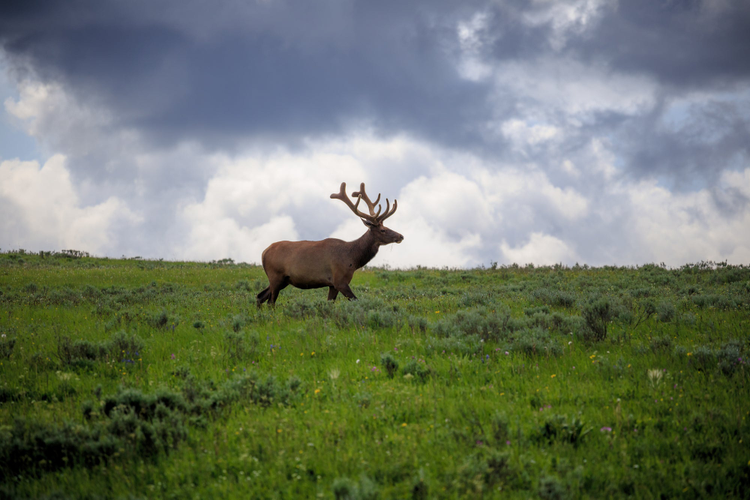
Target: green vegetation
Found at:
149, 379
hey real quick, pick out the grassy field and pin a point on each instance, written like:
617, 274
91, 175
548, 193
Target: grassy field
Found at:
151, 379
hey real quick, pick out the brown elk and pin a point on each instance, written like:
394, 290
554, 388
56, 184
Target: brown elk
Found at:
330, 262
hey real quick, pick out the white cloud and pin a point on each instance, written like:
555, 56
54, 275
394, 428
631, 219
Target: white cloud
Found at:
548, 86
522, 134
473, 35
42, 210
518, 190
47, 112
566, 18
448, 201
677, 228
541, 249
424, 244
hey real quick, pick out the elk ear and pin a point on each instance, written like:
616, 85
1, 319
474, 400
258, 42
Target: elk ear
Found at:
369, 224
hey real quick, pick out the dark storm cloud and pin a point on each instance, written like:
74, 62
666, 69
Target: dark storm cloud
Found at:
276, 69
227, 73
705, 140
682, 43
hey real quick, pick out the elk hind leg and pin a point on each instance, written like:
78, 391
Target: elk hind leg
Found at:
276, 288
263, 296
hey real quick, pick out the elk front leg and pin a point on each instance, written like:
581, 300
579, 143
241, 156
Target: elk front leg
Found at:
332, 293
344, 288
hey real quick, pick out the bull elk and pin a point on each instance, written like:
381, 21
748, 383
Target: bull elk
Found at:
330, 262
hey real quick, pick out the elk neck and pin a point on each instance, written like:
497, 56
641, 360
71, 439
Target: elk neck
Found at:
364, 249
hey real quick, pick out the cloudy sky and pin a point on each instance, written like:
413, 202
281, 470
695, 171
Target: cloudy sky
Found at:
590, 131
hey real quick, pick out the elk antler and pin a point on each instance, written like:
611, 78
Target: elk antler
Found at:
373, 217
371, 205
353, 206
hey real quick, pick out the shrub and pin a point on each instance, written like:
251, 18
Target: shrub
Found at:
551, 297
379, 319
79, 352
703, 358
483, 322
159, 319
729, 357
662, 343
465, 346
71, 351
417, 324
597, 314
483, 469
531, 311
345, 489
500, 429
122, 343
417, 369
557, 428
234, 345
550, 488
535, 341
665, 312
6, 347
390, 364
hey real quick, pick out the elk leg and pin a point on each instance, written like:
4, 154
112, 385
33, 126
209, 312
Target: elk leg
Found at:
332, 293
346, 291
263, 296
275, 291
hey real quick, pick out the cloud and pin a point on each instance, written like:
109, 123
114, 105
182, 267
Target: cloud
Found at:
679, 228
542, 249
41, 210
610, 132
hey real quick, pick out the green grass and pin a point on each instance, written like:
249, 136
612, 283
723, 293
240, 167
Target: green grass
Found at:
151, 379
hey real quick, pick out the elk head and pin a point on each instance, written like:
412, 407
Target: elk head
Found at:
373, 220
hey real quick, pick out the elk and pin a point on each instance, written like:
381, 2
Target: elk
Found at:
330, 262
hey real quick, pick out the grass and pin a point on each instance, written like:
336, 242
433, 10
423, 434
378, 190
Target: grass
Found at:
150, 379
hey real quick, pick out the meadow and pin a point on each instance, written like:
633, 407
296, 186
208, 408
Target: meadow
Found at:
130, 378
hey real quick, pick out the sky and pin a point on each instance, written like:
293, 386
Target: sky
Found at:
581, 131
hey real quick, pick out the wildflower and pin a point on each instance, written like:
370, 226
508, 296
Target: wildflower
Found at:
357, 361
508, 443
606, 429
507, 353
403, 425
334, 374
553, 376
655, 376
317, 391
173, 356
